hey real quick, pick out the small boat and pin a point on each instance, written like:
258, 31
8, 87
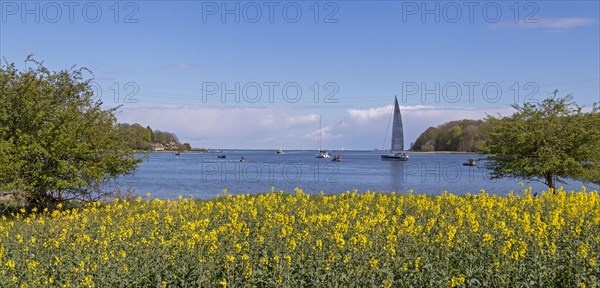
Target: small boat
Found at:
280, 151
223, 156
177, 153
337, 158
395, 153
242, 159
323, 154
395, 157
470, 162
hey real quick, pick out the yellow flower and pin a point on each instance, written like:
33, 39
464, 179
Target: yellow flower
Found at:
456, 280
31, 265
488, 238
583, 250
374, 263
10, 264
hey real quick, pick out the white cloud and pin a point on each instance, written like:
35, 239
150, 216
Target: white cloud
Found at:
223, 127
271, 128
362, 115
377, 112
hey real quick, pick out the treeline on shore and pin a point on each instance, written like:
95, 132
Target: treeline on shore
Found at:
461, 136
143, 138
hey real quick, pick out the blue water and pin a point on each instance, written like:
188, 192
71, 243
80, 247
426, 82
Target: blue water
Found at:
204, 176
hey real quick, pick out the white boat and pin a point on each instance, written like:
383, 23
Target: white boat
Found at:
321, 153
280, 151
396, 152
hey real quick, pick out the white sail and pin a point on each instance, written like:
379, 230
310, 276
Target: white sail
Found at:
396, 150
397, 130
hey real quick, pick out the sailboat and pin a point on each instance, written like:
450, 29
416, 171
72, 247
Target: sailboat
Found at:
322, 153
396, 150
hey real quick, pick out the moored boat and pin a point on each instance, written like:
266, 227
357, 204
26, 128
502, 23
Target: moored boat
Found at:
337, 158
395, 153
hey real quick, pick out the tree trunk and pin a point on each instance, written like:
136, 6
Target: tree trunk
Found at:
549, 181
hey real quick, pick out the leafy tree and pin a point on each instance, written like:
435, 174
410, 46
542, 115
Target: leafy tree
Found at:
462, 135
136, 136
164, 138
546, 142
151, 134
56, 142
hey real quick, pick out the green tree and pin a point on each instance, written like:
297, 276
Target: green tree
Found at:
546, 142
462, 135
136, 136
56, 142
151, 134
426, 141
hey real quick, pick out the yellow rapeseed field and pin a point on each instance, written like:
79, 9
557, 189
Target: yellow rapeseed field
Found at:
295, 240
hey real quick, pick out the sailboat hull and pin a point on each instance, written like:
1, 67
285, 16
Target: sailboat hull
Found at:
394, 158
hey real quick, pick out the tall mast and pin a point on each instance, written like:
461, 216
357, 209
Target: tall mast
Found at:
319, 142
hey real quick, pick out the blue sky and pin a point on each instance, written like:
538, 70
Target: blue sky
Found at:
172, 60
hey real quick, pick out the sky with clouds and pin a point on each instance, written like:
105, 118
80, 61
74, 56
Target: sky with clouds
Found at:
260, 75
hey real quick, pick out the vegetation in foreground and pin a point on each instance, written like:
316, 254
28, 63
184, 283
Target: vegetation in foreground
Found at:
57, 143
552, 140
283, 240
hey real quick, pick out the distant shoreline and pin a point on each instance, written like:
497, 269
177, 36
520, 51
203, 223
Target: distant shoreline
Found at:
233, 150
443, 152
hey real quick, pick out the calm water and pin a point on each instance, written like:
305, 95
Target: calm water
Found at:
203, 175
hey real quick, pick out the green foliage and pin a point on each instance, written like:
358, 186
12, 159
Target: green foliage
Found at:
547, 141
144, 138
462, 135
136, 136
164, 138
56, 142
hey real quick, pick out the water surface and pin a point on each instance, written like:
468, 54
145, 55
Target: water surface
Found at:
204, 176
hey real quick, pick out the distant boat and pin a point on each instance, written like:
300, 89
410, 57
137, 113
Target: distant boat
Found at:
242, 159
280, 151
322, 153
470, 162
223, 156
177, 153
395, 153
337, 158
